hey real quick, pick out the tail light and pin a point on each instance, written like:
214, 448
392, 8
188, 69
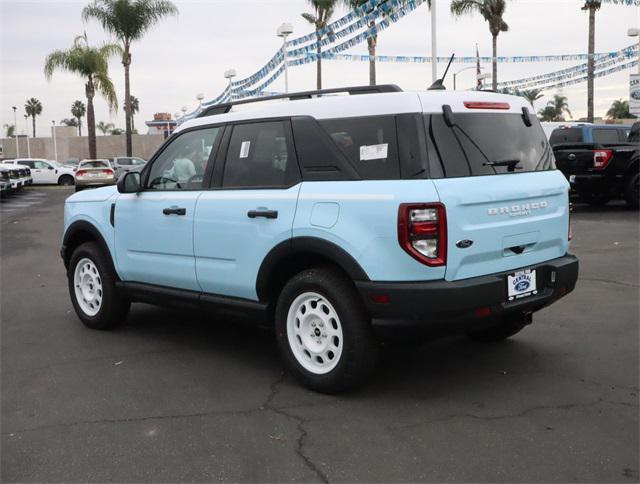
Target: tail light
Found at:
107, 172
422, 232
601, 159
81, 173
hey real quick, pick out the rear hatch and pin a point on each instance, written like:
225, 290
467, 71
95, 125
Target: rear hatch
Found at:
506, 204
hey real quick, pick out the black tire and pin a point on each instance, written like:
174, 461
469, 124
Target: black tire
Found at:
504, 329
359, 346
113, 308
66, 180
595, 199
632, 191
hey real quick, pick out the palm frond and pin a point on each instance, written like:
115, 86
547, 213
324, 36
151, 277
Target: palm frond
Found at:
309, 18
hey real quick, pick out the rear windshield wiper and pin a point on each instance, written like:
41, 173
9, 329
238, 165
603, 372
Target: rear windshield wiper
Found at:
510, 164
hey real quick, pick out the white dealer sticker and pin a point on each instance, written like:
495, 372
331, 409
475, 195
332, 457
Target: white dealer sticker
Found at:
373, 152
244, 149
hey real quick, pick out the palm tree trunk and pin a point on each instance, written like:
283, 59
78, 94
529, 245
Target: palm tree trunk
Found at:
126, 62
79, 126
590, 63
319, 64
33, 120
91, 119
371, 45
494, 63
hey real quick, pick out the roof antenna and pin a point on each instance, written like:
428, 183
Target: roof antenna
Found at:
438, 85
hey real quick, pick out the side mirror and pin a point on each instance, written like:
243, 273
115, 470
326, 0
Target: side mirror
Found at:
129, 182
49, 167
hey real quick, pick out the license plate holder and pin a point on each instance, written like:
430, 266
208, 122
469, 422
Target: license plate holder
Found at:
521, 284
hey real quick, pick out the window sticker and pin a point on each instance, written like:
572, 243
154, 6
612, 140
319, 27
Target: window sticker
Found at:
244, 149
373, 152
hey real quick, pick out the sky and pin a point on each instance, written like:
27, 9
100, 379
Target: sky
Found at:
187, 55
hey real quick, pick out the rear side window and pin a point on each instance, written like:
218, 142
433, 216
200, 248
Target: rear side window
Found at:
370, 143
566, 135
486, 144
603, 135
260, 155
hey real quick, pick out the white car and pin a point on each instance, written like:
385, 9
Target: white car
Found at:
47, 172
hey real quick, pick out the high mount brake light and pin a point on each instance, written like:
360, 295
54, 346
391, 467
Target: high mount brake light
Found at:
486, 105
422, 232
601, 159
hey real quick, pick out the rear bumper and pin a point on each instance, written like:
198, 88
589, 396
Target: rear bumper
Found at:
443, 303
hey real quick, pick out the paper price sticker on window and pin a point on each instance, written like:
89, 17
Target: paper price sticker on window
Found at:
373, 152
244, 149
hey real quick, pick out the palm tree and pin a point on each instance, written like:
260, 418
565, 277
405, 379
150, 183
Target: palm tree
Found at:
619, 110
531, 95
492, 11
73, 122
33, 108
116, 131
372, 40
11, 130
135, 107
592, 6
555, 109
323, 10
128, 20
105, 128
92, 64
78, 110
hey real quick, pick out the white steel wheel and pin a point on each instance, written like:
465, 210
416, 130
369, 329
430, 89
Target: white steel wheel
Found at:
314, 333
88, 286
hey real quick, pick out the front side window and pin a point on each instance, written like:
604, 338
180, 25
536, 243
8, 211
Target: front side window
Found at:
370, 143
260, 155
182, 163
40, 165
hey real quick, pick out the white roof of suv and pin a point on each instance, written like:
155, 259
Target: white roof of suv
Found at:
343, 106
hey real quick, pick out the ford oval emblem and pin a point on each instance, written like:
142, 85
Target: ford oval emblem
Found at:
464, 244
522, 286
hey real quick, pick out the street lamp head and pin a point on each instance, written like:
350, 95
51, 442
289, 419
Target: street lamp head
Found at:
200, 96
14, 108
633, 32
184, 109
284, 30
230, 73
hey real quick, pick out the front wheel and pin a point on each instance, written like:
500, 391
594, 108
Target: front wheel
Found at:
92, 288
323, 332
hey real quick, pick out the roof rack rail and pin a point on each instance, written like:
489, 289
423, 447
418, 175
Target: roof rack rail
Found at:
226, 107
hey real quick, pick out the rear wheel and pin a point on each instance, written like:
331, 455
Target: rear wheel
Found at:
323, 332
65, 180
505, 328
92, 288
632, 191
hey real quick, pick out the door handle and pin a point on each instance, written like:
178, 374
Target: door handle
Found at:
174, 211
262, 213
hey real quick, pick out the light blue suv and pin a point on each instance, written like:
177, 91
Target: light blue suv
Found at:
330, 215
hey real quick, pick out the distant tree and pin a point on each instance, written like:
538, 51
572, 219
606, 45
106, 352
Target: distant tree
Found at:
78, 110
619, 110
531, 95
135, 107
70, 122
104, 128
592, 6
128, 20
548, 113
561, 105
10, 130
117, 131
33, 108
322, 12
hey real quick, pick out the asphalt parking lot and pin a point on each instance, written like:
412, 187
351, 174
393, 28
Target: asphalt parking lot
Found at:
173, 396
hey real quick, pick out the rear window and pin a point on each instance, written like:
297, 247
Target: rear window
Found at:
485, 144
606, 135
94, 164
370, 143
566, 135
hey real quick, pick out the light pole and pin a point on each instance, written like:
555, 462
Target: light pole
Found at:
283, 31
15, 130
434, 43
230, 74
199, 98
55, 142
456, 73
26, 127
634, 32
482, 77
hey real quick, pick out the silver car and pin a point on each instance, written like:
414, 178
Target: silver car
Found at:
123, 164
94, 173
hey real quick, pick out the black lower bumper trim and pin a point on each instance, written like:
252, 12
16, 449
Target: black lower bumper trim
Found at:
433, 302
